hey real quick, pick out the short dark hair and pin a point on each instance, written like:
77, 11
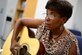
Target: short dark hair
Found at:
63, 7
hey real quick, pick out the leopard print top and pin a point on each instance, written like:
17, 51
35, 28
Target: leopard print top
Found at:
61, 47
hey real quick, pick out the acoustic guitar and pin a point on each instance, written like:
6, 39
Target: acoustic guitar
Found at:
29, 46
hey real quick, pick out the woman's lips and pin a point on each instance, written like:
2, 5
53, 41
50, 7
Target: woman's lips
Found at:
47, 25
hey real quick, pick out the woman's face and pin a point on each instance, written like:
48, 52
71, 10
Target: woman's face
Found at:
53, 20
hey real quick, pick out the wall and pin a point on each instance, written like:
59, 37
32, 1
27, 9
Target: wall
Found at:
10, 12
76, 20
3, 4
40, 9
7, 8
78, 16
70, 22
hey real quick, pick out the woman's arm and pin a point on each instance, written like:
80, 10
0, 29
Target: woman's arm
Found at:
73, 49
30, 23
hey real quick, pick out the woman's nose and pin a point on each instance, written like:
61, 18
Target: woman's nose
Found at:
47, 18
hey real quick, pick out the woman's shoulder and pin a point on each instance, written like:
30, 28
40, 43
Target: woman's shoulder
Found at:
69, 35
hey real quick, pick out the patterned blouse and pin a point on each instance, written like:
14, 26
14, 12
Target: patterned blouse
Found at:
52, 47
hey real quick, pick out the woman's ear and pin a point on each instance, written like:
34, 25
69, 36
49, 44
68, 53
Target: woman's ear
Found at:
64, 19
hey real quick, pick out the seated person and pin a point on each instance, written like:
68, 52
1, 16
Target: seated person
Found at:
54, 38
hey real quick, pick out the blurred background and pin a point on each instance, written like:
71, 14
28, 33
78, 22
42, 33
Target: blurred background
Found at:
11, 10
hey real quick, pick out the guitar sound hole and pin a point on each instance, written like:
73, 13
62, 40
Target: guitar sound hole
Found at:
23, 51
25, 47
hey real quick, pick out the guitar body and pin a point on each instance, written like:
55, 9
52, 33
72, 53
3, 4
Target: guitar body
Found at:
29, 46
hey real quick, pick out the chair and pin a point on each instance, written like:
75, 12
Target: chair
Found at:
79, 43
76, 32
79, 38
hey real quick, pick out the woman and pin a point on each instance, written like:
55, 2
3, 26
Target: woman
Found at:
54, 38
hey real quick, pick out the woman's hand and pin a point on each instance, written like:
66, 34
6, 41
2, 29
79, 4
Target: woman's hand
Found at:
14, 46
